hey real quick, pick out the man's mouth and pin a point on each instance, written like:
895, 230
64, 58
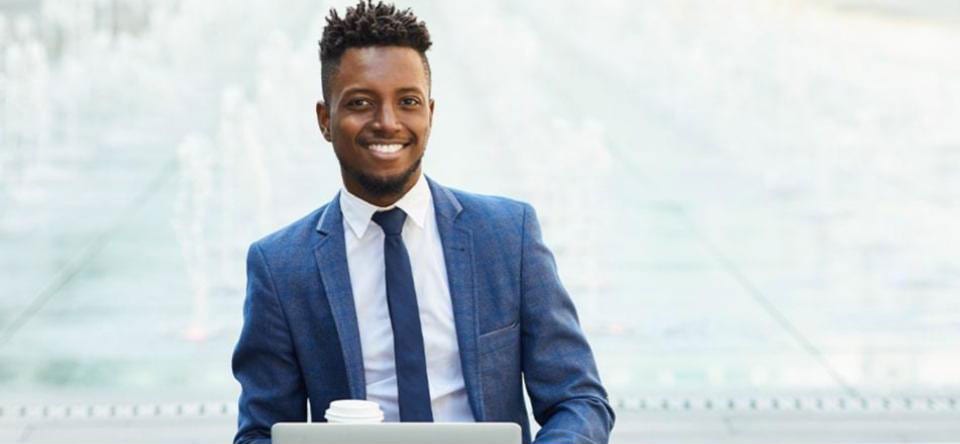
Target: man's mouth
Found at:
381, 148
387, 150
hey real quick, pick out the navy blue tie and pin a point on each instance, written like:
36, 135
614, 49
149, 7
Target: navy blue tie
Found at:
412, 386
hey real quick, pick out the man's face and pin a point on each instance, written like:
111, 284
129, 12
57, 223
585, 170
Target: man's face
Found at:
378, 118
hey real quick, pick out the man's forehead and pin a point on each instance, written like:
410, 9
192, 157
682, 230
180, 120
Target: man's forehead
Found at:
385, 66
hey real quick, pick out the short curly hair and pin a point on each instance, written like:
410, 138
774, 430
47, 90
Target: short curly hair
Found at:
369, 24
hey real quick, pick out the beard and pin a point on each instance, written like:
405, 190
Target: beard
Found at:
383, 186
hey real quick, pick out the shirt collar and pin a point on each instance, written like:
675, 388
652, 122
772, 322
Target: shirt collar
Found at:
358, 212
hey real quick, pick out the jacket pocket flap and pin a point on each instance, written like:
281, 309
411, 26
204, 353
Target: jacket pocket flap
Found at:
499, 338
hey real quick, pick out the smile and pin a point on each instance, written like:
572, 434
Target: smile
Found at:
386, 149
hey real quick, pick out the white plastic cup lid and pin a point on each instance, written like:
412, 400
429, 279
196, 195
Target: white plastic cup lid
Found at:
354, 409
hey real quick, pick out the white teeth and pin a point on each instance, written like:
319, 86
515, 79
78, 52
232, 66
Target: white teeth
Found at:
386, 149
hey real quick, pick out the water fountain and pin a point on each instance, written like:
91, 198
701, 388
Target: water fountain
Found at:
704, 95
191, 221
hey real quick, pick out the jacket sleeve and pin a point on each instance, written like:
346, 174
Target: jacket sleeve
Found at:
264, 360
561, 376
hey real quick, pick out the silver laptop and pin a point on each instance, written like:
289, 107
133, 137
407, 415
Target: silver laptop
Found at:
396, 433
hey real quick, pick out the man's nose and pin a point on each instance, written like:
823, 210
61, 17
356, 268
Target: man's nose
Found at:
387, 120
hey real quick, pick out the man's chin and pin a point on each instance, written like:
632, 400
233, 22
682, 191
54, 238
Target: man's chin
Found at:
389, 185
382, 186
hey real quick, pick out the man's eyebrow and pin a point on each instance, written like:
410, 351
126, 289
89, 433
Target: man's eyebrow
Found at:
357, 89
407, 89
361, 90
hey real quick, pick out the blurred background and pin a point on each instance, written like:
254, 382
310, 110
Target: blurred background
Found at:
752, 202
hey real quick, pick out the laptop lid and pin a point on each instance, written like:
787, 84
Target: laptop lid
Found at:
396, 433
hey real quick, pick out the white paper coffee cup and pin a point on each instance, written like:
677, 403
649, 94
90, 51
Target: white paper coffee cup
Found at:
354, 411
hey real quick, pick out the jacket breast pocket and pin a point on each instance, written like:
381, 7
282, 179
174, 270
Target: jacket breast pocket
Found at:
500, 338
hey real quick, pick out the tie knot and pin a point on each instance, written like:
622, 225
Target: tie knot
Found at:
391, 220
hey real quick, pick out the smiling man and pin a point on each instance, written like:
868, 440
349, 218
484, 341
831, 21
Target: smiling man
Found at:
437, 304
379, 147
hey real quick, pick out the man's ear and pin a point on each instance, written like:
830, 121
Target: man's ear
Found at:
323, 120
431, 112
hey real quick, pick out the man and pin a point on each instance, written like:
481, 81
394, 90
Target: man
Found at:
437, 304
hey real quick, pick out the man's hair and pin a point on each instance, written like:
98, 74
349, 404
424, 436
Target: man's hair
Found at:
369, 24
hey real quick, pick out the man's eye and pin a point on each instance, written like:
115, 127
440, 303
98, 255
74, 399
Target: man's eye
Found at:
358, 103
410, 101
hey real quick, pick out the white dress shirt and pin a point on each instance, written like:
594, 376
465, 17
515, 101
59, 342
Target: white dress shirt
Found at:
364, 243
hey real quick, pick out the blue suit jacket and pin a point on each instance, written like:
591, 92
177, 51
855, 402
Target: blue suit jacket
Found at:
515, 324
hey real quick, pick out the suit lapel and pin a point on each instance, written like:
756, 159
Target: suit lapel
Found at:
331, 255
457, 243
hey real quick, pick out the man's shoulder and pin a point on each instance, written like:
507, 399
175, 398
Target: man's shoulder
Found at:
490, 207
496, 220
